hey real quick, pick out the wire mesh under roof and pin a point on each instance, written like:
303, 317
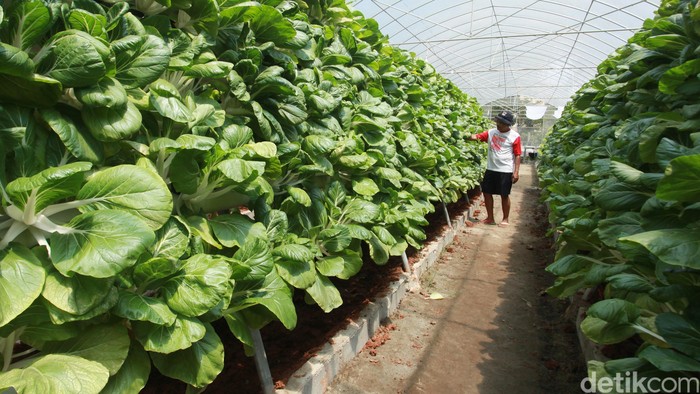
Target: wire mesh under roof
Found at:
494, 49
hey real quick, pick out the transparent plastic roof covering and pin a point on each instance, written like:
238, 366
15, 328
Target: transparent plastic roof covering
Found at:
496, 49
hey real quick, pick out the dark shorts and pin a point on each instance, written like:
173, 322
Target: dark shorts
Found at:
497, 183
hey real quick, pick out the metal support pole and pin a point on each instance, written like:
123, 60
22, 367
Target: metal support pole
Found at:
447, 214
261, 364
404, 258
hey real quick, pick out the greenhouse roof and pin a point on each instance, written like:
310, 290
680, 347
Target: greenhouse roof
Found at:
499, 50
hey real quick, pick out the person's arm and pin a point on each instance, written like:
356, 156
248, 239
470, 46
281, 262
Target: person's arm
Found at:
483, 137
517, 152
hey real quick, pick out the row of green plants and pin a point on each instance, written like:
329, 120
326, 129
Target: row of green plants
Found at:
165, 164
620, 173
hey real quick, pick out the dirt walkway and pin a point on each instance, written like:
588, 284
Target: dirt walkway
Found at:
494, 330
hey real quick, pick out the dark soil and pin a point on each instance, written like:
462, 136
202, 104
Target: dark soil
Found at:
287, 350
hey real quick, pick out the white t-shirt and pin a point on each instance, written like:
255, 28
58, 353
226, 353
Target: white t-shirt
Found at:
503, 147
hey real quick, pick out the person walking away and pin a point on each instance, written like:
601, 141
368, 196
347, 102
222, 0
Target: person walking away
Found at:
503, 164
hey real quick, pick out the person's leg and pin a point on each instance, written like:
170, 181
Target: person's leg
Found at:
506, 184
489, 187
488, 199
505, 204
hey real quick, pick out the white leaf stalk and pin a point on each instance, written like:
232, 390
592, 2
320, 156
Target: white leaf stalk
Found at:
38, 224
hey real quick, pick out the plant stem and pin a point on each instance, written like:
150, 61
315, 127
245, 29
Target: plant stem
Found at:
7, 351
13, 232
56, 208
648, 332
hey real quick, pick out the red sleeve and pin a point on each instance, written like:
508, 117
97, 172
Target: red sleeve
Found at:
517, 147
484, 137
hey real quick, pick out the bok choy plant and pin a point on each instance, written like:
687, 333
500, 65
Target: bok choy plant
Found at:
165, 166
620, 175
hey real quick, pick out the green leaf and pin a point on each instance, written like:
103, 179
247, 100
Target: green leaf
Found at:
112, 124
361, 162
268, 24
77, 294
673, 246
300, 196
15, 62
361, 211
238, 170
201, 284
36, 91
140, 60
101, 244
352, 264
196, 142
330, 266
238, 327
300, 274
184, 171
293, 252
621, 197
275, 295
108, 93
172, 240
611, 229
198, 365
384, 235
77, 138
277, 225
603, 332
29, 21
59, 316
47, 187
233, 229
256, 254
682, 180
631, 282
568, 265
133, 375
358, 232
365, 187
130, 188
90, 23
625, 173
57, 373
335, 239
679, 332
615, 311
378, 250
105, 344
213, 69
22, 279
141, 308
325, 294
200, 228
676, 76
669, 360
154, 269
75, 58
165, 99
168, 339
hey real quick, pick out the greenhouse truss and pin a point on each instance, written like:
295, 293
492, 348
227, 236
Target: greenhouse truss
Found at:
511, 51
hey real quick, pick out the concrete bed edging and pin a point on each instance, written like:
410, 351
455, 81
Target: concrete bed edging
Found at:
319, 371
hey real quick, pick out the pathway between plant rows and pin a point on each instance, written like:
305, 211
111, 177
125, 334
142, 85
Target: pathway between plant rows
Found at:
480, 321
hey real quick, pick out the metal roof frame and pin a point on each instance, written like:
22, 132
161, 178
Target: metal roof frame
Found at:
493, 49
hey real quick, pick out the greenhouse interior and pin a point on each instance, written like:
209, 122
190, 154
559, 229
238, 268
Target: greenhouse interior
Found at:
349, 196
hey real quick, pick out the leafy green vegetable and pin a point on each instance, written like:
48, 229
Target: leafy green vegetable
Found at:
166, 164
